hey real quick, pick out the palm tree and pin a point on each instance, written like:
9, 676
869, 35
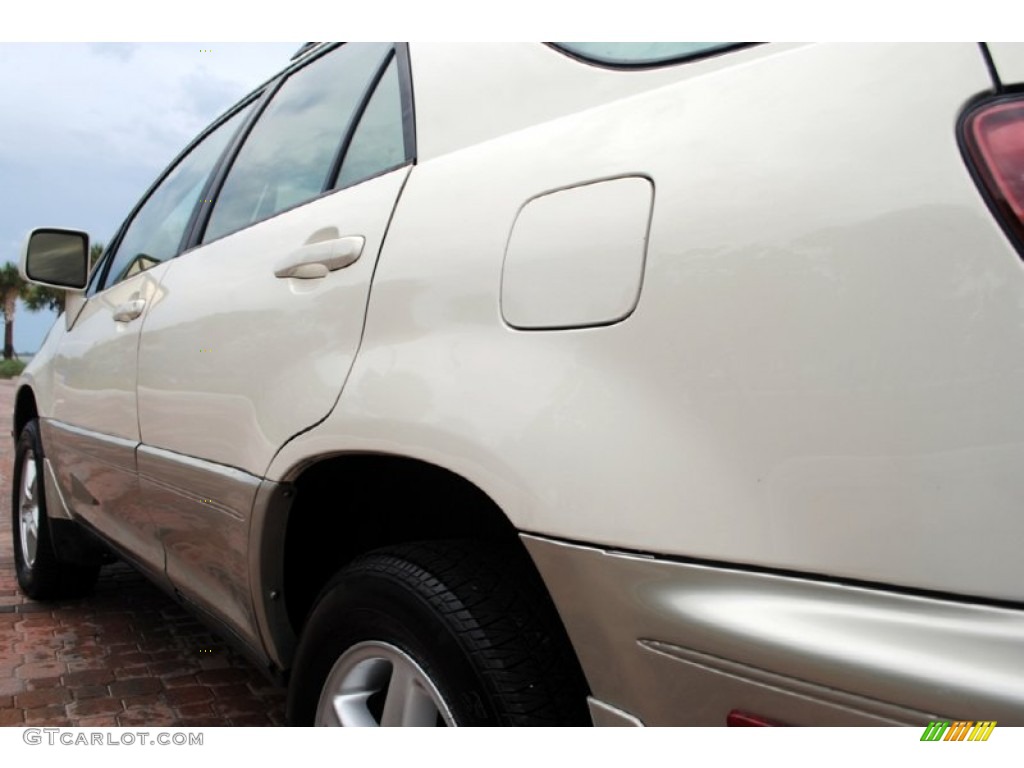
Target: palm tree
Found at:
12, 288
38, 297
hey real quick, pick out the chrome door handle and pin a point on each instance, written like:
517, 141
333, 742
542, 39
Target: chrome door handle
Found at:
129, 310
316, 260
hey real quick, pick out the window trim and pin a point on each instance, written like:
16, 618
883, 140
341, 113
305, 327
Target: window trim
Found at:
401, 59
198, 230
258, 96
196, 235
341, 152
399, 55
99, 283
259, 104
647, 65
405, 89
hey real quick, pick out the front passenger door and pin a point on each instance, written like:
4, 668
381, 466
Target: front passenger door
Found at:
93, 432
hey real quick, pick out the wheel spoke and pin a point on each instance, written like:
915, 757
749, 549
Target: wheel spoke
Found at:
407, 703
29, 481
350, 710
330, 716
375, 683
420, 710
28, 493
28, 513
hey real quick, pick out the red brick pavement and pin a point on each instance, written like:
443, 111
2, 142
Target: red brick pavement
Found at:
126, 655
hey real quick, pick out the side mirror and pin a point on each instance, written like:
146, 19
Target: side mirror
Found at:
57, 258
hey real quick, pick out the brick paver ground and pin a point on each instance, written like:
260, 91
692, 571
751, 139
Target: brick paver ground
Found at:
126, 655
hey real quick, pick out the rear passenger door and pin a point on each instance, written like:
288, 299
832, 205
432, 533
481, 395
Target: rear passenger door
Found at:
256, 327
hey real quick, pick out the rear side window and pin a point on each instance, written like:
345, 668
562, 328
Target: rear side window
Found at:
156, 232
379, 141
642, 54
288, 155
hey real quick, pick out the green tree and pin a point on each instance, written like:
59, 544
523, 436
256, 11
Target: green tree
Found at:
12, 288
39, 297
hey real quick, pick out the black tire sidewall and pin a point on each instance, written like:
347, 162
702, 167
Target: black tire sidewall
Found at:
365, 607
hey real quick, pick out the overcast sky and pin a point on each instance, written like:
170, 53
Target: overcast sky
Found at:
87, 127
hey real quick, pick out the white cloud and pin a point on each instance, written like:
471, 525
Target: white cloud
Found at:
138, 106
120, 51
87, 127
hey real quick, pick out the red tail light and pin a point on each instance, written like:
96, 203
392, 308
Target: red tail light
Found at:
737, 718
994, 135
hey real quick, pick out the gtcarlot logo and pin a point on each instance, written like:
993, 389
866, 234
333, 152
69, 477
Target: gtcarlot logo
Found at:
82, 738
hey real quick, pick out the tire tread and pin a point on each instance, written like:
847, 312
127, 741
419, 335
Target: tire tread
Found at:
490, 605
501, 617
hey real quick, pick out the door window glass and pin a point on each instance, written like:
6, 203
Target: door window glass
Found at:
156, 232
379, 141
288, 155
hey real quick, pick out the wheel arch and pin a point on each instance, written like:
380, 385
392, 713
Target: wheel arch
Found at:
463, 617
346, 505
25, 409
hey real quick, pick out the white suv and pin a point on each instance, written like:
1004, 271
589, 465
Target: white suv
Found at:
536, 384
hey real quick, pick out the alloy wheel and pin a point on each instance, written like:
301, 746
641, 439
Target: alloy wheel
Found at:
376, 684
28, 510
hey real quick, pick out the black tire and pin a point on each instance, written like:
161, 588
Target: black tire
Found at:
476, 620
41, 574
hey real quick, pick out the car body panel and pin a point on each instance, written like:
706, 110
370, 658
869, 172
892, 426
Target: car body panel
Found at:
267, 537
493, 88
575, 257
90, 426
1009, 62
234, 360
200, 514
785, 422
95, 384
98, 481
692, 641
802, 383
38, 376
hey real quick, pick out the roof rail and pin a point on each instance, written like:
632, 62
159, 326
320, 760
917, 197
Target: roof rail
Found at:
303, 50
